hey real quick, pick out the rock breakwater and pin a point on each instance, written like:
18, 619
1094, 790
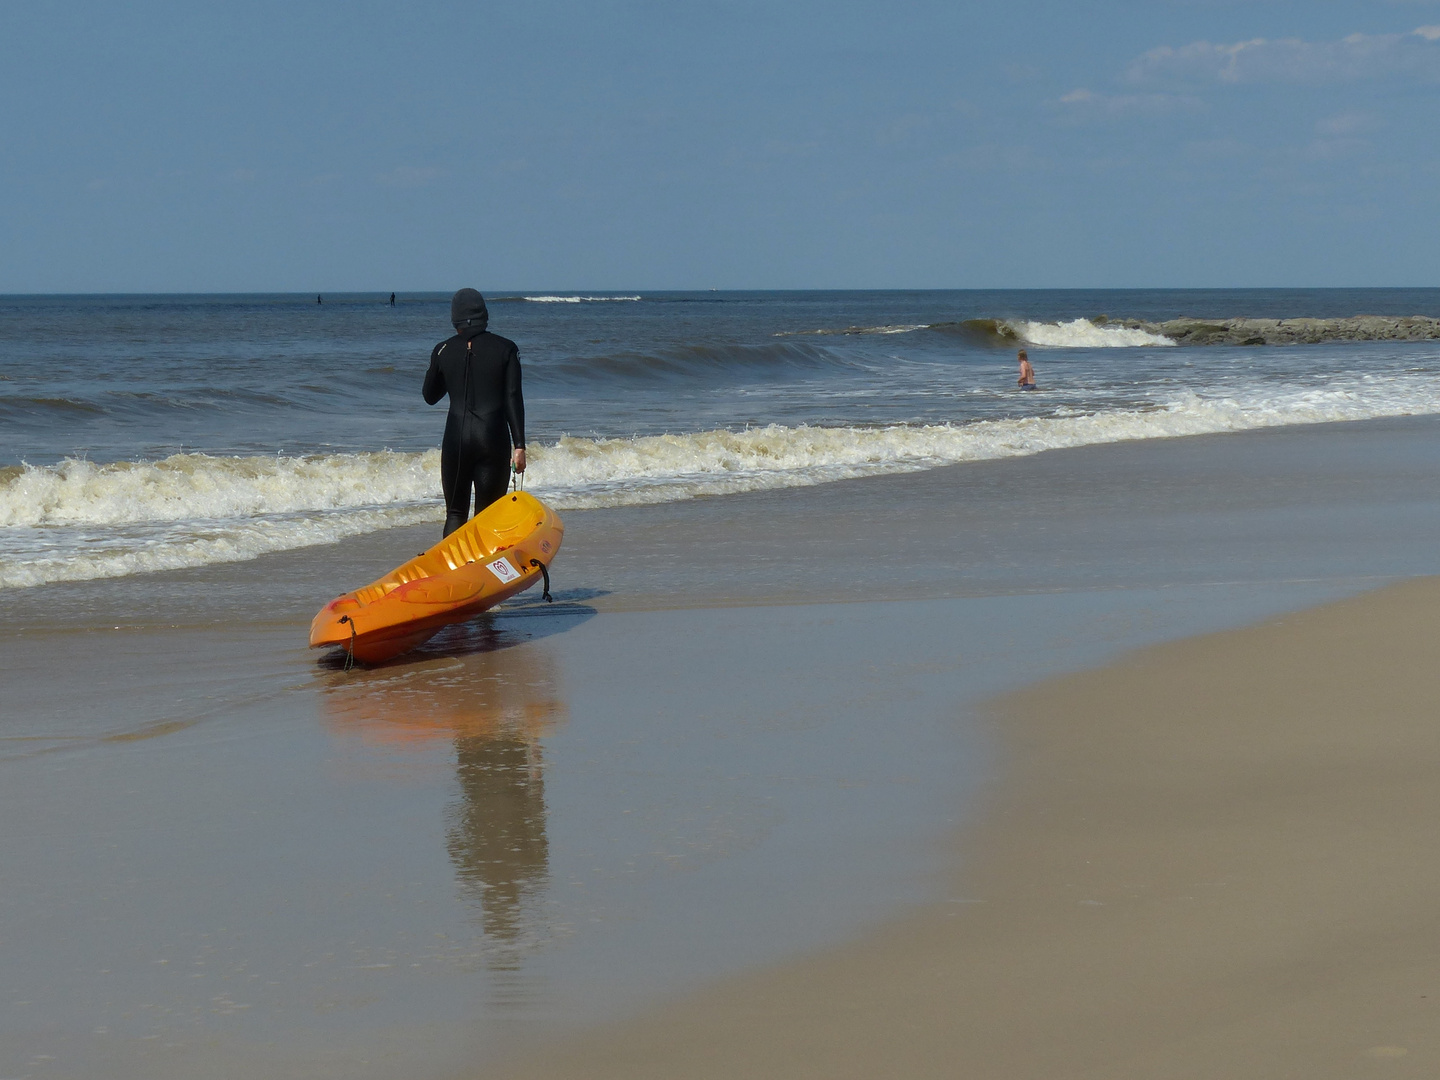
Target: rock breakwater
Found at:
1243, 331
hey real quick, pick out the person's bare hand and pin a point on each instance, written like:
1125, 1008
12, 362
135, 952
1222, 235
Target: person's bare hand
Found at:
517, 459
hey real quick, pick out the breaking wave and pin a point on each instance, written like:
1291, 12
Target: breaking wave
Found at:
79, 520
575, 299
1076, 334
190, 487
1084, 334
894, 328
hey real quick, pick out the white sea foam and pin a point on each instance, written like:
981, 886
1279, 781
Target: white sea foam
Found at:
37, 557
79, 520
1083, 334
576, 299
191, 487
849, 331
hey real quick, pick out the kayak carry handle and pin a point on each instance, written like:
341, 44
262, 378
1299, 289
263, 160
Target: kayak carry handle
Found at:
545, 573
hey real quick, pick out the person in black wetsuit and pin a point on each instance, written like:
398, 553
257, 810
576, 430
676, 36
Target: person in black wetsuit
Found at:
485, 431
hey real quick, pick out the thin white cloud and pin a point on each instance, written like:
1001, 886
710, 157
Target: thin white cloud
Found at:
1412, 55
1337, 149
407, 176
1091, 102
1351, 123
997, 157
1212, 150
901, 128
1344, 135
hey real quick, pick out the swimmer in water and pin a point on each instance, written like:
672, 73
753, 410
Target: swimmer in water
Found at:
1027, 373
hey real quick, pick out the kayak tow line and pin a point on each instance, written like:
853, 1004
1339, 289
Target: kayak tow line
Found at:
545, 573
350, 650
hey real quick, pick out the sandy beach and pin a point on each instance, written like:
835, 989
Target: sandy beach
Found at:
981, 598
1211, 858
833, 781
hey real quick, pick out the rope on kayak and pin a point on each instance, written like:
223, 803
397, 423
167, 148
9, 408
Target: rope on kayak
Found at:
545, 573
350, 651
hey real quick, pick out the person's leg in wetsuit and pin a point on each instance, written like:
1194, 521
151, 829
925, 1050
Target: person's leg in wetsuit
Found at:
480, 463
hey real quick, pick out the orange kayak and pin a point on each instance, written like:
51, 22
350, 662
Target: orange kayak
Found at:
501, 551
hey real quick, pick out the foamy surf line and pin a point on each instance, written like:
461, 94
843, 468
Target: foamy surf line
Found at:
1084, 334
1075, 334
78, 521
577, 299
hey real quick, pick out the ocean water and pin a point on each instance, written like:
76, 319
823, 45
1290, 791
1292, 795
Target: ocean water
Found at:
145, 433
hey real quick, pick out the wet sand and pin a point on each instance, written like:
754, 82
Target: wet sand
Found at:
1212, 858
749, 729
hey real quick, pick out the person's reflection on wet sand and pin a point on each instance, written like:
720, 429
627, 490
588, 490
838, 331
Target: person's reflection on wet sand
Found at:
495, 707
497, 836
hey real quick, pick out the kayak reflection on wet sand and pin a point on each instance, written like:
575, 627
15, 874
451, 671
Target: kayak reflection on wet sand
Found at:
496, 712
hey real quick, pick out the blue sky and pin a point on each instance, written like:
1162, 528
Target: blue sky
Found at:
166, 146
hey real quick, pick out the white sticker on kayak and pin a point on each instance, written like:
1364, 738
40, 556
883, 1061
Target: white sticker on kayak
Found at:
502, 569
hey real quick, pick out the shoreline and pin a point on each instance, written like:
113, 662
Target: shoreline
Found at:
1209, 858
1227, 507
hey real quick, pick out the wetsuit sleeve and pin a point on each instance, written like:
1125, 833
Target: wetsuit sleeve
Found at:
514, 400
434, 378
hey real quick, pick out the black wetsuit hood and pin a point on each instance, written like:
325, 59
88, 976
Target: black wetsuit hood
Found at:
468, 313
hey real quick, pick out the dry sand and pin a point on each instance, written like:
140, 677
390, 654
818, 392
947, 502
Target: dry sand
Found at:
1215, 858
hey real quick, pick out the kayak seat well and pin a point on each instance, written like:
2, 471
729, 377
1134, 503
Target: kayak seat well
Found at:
495, 529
